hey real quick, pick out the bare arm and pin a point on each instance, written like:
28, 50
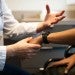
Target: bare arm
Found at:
63, 37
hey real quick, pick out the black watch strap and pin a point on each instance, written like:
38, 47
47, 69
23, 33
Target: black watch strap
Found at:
44, 37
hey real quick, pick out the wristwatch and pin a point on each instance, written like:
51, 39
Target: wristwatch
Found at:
44, 37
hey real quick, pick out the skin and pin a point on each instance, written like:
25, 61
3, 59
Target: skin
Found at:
64, 37
50, 19
70, 62
27, 46
21, 48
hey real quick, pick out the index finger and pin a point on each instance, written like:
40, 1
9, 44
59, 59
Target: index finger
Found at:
61, 62
35, 46
60, 13
68, 68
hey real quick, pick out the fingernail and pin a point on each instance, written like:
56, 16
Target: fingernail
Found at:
66, 71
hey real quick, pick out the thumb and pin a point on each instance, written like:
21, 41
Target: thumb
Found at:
48, 9
28, 39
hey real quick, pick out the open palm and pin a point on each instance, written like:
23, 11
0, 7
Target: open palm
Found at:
53, 18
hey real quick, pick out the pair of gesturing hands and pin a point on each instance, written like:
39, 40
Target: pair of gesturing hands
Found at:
28, 47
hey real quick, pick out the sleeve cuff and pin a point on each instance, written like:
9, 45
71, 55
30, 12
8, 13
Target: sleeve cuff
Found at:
2, 57
31, 27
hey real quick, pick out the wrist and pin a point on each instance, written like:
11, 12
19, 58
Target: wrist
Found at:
36, 40
41, 27
50, 38
10, 50
40, 39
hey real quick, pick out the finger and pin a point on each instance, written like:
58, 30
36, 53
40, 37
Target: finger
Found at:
60, 18
48, 9
28, 39
61, 62
31, 51
31, 54
68, 68
60, 13
35, 46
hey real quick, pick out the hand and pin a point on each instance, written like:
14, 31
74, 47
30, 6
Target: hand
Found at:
36, 40
53, 18
50, 19
23, 49
70, 62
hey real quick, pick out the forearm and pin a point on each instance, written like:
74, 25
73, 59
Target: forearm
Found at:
10, 50
37, 40
63, 37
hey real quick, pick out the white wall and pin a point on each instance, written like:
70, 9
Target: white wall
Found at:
35, 4
39, 5
70, 2
25, 4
